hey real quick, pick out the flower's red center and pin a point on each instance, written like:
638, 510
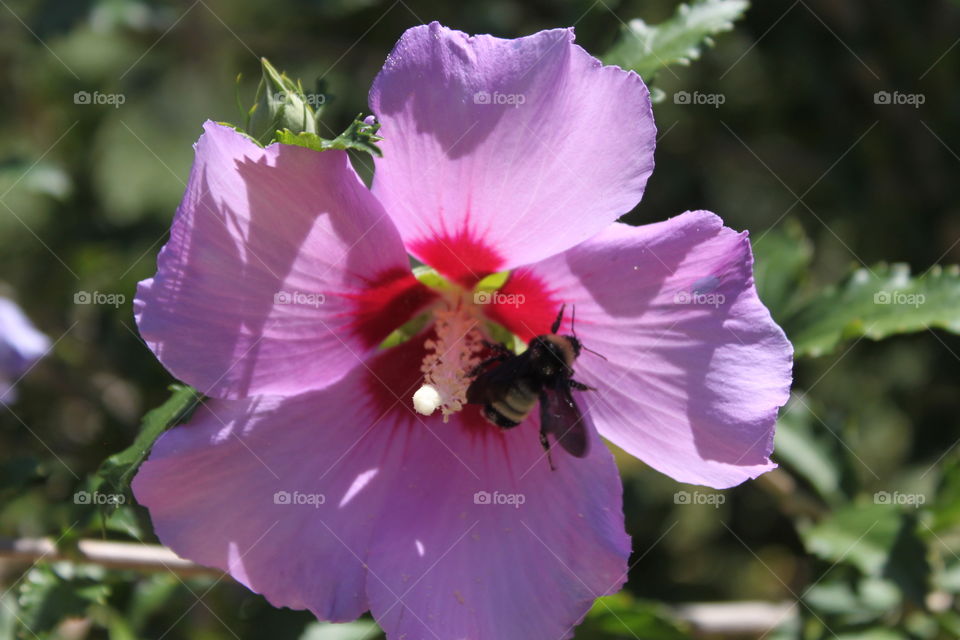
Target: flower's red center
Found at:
388, 300
461, 257
394, 377
435, 356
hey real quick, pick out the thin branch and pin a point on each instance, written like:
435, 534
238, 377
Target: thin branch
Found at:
736, 618
732, 618
106, 553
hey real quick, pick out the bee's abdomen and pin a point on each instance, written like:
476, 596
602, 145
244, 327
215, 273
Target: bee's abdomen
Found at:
513, 407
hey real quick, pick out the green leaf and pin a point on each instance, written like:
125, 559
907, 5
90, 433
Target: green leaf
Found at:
833, 597
946, 503
781, 257
117, 626
359, 136
19, 473
948, 578
863, 600
648, 48
919, 624
116, 471
875, 633
861, 535
950, 622
150, 595
46, 597
878, 539
908, 565
876, 304
810, 451
621, 616
123, 520
9, 612
879, 594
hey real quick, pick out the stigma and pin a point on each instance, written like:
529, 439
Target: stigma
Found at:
451, 358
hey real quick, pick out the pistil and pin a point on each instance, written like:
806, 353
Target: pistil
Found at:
451, 358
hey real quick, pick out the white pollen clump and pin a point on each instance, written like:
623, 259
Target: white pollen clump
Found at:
426, 400
451, 358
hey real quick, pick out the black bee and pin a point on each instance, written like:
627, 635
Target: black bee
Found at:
543, 372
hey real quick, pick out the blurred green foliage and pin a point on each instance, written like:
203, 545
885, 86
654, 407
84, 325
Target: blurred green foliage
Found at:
101, 100
647, 49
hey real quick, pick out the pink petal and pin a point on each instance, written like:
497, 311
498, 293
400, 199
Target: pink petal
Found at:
282, 270
449, 567
477, 187
210, 485
399, 530
210, 489
696, 368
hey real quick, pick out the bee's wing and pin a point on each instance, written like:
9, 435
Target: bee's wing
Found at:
560, 416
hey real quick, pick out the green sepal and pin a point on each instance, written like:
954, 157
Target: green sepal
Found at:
359, 136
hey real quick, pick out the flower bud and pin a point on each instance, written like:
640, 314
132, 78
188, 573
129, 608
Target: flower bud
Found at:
281, 104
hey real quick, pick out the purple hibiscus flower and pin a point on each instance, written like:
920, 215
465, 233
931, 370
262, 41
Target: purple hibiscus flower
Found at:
21, 345
309, 477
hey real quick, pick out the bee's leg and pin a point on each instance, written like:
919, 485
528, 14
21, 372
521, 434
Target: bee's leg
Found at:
580, 386
546, 447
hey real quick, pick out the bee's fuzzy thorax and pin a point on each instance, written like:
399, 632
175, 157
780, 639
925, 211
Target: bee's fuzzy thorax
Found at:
567, 347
